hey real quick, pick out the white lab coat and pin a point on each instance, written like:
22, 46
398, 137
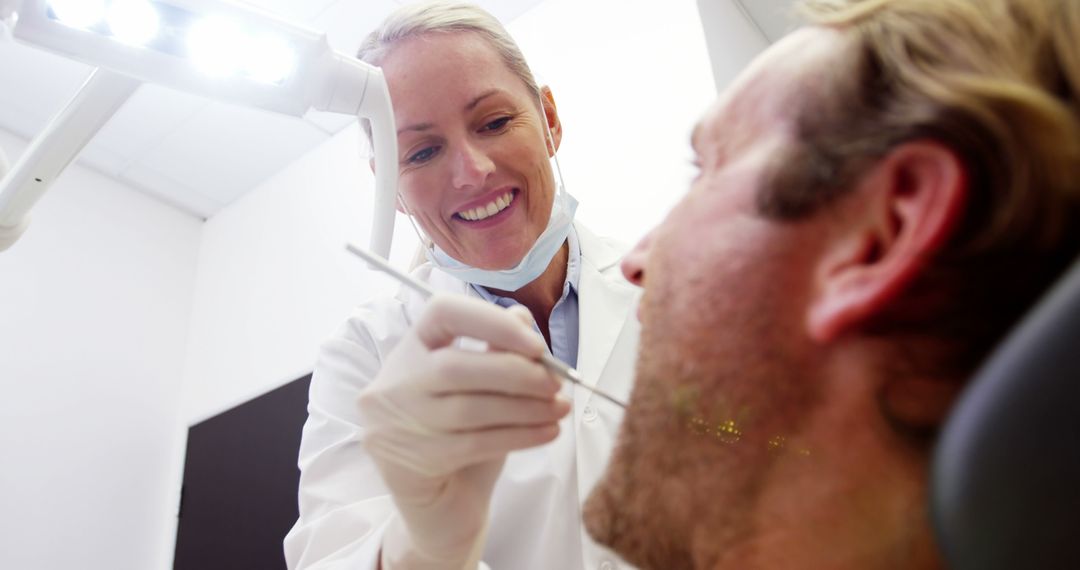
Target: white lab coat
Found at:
536, 507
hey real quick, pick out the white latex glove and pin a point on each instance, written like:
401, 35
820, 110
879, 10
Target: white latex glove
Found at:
440, 421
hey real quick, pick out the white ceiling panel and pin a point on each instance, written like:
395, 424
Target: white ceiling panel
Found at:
329, 122
291, 10
36, 85
774, 18
150, 115
225, 150
171, 191
104, 159
508, 10
346, 23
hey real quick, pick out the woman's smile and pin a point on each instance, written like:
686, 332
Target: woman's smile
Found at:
488, 211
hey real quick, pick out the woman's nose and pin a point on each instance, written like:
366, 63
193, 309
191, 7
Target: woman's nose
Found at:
472, 166
633, 265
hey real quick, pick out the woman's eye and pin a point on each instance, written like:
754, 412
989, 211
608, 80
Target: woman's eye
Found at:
497, 124
422, 155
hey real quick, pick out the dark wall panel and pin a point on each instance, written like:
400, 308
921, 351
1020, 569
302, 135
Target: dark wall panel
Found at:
240, 482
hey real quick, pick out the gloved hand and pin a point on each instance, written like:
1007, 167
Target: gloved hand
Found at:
440, 421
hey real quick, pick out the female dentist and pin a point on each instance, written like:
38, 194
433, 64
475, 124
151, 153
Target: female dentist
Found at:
405, 459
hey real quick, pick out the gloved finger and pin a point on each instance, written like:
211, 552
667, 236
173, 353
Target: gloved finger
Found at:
472, 412
453, 371
448, 317
476, 446
440, 456
521, 312
443, 453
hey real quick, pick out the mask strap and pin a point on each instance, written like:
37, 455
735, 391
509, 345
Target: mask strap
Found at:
551, 139
424, 240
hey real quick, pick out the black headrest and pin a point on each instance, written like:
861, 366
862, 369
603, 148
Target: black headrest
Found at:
1005, 481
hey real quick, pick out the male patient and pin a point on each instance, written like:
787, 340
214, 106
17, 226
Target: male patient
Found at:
881, 196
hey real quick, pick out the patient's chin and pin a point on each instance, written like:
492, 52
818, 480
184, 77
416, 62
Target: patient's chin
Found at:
612, 513
620, 529
609, 514
633, 524
637, 508
600, 516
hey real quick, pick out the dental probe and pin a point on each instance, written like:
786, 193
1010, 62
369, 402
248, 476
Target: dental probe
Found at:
549, 361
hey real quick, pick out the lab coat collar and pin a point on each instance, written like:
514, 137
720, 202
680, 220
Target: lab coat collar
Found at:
598, 251
605, 302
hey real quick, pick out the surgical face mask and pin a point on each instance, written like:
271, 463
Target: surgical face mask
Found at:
531, 266
535, 261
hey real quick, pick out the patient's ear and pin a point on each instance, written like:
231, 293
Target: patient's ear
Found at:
902, 211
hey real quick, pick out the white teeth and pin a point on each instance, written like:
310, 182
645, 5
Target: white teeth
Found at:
492, 208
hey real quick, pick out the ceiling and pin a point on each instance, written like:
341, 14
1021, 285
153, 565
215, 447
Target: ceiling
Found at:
200, 155
773, 18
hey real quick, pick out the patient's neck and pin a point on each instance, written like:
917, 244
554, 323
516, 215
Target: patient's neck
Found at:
857, 498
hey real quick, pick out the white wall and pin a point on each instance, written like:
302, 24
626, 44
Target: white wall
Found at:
274, 279
630, 79
94, 305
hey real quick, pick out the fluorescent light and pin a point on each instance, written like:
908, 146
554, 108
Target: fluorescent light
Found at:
133, 21
269, 59
78, 13
215, 46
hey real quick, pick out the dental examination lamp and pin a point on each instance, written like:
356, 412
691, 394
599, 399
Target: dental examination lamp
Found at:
211, 48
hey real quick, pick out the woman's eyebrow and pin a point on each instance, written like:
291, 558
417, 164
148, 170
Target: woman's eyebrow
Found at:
469, 107
476, 100
416, 127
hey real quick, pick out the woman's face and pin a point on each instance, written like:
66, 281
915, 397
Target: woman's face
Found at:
472, 156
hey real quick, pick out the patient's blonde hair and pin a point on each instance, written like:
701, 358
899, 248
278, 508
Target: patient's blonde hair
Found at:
998, 82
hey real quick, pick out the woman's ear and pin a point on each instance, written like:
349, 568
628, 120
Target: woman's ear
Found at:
551, 115
902, 212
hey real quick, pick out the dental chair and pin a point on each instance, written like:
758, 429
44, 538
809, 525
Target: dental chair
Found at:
1005, 480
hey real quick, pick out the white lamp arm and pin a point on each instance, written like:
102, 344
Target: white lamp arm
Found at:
351, 86
50, 153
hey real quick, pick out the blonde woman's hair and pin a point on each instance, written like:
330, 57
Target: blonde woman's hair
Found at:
445, 17
996, 81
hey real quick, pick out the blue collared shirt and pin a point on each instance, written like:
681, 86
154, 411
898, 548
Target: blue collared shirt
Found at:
563, 321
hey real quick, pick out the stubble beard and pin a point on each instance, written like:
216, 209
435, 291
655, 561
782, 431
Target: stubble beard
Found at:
679, 491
